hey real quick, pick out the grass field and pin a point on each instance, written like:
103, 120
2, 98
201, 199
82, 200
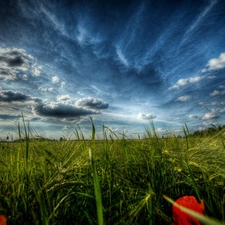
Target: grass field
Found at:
111, 181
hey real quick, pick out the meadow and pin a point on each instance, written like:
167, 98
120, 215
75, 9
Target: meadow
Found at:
115, 180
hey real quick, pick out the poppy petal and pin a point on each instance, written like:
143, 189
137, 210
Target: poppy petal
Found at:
3, 220
189, 202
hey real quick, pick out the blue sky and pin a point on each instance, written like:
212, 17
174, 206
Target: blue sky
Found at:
123, 64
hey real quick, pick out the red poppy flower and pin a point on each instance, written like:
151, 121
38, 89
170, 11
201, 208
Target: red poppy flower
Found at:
182, 218
3, 220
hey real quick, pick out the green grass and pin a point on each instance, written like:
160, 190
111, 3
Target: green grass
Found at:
111, 181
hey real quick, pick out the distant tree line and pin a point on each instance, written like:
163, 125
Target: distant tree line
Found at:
208, 131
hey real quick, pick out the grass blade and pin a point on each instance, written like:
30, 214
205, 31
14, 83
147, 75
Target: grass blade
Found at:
97, 190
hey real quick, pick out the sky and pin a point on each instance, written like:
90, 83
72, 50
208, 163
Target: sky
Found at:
124, 64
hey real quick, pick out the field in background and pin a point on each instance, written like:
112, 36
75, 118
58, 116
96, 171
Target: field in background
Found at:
111, 181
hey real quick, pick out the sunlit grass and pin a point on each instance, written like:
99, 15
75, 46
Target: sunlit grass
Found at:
111, 181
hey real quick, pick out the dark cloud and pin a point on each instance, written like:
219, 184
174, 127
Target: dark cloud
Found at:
14, 58
92, 103
35, 119
3, 71
60, 110
15, 96
7, 74
11, 96
17, 61
16, 64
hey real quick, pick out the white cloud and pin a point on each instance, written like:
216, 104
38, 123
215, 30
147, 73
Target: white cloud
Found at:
216, 92
63, 83
211, 77
209, 116
63, 98
180, 83
184, 82
161, 130
193, 116
177, 131
195, 79
50, 89
221, 110
66, 127
36, 72
201, 128
184, 98
25, 77
45, 89
142, 116
55, 79
209, 123
79, 93
217, 63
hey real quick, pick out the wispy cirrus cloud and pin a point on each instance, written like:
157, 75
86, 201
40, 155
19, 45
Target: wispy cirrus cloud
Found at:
122, 58
85, 37
200, 18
